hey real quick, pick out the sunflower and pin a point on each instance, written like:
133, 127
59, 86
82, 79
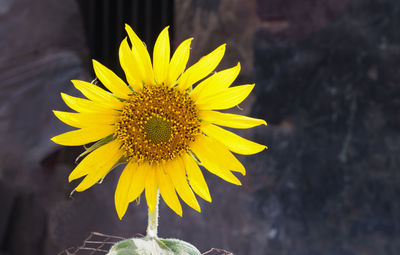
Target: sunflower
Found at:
158, 124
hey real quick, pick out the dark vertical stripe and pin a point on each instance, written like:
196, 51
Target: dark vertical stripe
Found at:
135, 14
105, 19
170, 17
106, 22
164, 13
148, 23
91, 27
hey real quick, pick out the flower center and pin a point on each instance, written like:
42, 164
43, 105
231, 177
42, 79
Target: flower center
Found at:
158, 123
157, 130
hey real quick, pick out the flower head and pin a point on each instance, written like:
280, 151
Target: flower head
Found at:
157, 124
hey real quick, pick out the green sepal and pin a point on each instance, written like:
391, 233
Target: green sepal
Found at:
152, 246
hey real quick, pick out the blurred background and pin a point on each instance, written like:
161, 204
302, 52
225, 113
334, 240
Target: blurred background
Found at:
327, 76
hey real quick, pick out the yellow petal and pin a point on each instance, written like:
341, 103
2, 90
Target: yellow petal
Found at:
102, 167
129, 65
111, 81
210, 160
142, 56
196, 178
130, 185
178, 62
84, 135
97, 94
151, 189
215, 84
230, 120
226, 99
232, 141
167, 191
94, 177
94, 160
202, 68
161, 55
82, 120
83, 105
224, 155
176, 170
140, 178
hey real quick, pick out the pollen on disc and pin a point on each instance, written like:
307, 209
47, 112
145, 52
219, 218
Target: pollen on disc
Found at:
158, 123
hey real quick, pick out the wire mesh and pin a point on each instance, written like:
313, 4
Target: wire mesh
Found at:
95, 244
99, 244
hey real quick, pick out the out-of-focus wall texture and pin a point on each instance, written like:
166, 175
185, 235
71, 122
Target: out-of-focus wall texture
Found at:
327, 77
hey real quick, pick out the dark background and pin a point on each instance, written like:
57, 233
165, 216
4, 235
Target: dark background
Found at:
327, 76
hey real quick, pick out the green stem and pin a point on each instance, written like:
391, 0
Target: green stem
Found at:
152, 223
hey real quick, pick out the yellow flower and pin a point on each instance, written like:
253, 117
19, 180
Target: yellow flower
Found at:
161, 127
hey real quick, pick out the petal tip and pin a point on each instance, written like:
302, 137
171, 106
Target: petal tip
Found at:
187, 42
55, 140
127, 26
198, 209
151, 208
120, 212
71, 178
76, 83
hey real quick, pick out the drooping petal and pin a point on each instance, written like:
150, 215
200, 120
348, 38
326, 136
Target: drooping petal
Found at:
176, 170
142, 57
94, 177
128, 64
224, 155
102, 168
167, 191
140, 178
202, 68
232, 141
130, 185
82, 120
151, 189
196, 178
178, 62
83, 105
216, 83
230, 120
111, 81
226, 99
210, 160
97, 94
94, 160
84, 135
161, 55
